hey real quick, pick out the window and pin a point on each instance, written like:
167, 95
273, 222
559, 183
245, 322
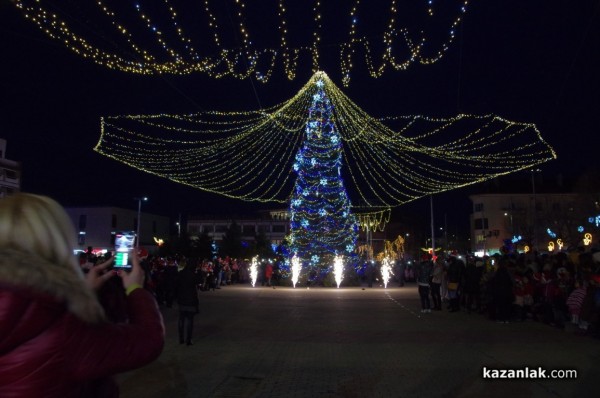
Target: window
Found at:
248, 230
279, 228
481, 223
193, 229
264, 228
478, 207
11, 174
221, 228
81, 238
82, 222
208, 229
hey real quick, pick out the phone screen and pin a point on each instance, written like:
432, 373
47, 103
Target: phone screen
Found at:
123, 248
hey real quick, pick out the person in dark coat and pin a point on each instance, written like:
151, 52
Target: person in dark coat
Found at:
502, 291
455, 276
472, 288
187, 300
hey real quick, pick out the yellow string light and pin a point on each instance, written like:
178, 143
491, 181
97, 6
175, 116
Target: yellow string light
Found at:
149, 38
388, 162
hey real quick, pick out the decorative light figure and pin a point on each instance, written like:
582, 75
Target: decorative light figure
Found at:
386, 271
559, 242
587, 239
526, 249
255, 138
550, 246
338, 269
254, 270
296, 268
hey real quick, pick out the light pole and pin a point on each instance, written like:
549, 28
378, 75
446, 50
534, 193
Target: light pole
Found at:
534, 209
139, 219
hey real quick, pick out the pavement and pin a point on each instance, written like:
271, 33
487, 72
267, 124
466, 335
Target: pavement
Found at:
356, 342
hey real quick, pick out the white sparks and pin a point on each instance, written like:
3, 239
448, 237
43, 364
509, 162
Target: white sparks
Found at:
296, 267
254, 270
386, 271
338, 270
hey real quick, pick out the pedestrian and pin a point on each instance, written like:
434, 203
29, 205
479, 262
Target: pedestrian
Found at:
437, 277
186, 290
472, 286
423, 274
503, 293
55, 340
454, 276
268, 273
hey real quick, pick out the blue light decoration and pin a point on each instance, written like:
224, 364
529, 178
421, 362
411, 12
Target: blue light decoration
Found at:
550, 233
580, 229
322, 223
516, 238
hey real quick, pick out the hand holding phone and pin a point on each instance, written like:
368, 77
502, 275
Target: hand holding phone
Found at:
123, 250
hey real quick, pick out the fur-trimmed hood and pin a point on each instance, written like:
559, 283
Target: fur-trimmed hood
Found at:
31, 273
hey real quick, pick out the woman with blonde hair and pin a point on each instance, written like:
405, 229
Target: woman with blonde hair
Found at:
54, 339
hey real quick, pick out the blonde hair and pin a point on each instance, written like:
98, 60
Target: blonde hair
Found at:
39, 226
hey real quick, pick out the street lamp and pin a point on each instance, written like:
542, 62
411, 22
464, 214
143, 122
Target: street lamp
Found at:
139, 219
178, 229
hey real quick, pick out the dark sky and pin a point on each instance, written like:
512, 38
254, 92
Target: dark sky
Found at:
531, 61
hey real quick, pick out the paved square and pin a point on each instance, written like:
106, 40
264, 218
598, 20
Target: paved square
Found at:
349, 342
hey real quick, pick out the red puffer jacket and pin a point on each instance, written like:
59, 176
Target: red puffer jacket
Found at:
49, 349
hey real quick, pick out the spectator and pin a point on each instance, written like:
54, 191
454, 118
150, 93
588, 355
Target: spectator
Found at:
423, 273
268, 273
437, 278
187, 299
502, 293
54, 339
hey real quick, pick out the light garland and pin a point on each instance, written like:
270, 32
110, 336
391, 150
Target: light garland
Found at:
385, 162
155, 38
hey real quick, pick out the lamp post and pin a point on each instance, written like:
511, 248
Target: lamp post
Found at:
509, 214
139, 219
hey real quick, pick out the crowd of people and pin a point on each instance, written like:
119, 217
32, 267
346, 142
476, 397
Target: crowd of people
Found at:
561, 290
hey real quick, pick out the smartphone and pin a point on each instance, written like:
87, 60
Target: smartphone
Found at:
123, 248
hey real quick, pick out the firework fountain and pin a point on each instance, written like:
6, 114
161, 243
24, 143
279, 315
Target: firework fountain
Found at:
386, 271
338, 270
254, 270
296, 268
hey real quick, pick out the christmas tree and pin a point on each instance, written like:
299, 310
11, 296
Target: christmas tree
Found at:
321, 222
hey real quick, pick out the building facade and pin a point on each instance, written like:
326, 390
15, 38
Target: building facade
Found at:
10, 173
96, 226
544, 222
274, 224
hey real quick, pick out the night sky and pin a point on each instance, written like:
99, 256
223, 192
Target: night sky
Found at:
531, 61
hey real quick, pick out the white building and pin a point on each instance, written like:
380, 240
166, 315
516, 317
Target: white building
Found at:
10, 173
96, 226
497, 217
274, 224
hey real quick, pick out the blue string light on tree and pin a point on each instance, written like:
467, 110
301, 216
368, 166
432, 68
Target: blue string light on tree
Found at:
322, 224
